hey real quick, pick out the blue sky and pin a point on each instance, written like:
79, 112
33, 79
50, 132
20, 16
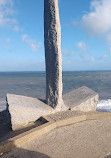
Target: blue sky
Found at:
86, 35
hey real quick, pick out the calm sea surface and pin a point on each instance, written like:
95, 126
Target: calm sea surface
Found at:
32, 84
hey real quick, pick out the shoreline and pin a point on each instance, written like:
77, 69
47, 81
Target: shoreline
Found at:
103, 105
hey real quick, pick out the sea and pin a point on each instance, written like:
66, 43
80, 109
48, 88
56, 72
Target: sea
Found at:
33, 84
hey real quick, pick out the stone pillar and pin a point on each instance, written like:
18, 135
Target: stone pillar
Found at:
53, 58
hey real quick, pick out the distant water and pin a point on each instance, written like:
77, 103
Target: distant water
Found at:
32, 84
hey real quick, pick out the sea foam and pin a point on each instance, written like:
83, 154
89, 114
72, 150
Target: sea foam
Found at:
2, 105
104, 105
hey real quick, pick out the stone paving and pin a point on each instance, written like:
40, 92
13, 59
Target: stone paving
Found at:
65, 115
88, 139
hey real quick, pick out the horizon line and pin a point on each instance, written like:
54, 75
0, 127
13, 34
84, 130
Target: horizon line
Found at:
45, 71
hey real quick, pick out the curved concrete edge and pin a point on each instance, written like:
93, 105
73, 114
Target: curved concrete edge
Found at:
98, 115
18, 140
47, 127
108, 155
70, 121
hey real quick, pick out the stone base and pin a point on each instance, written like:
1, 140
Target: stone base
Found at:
25, 109
82, 99
61, 107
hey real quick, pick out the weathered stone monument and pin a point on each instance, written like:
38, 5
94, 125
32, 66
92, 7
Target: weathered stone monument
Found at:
26, 109
52, 41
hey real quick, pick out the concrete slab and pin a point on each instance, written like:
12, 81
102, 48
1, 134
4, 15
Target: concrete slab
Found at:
87, 139
82, 99
26, 109
65, 115
52, 122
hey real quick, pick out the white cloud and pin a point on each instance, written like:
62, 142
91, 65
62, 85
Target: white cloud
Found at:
34, 47
90, 59
68, 53
104, 56
8, 48
82, 46
33, 44
16, 28
98, 20
8, 40
86, 58
6, 13
108, 40
84, 52
7, 44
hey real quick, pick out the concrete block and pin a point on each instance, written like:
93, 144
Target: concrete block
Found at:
82, 99
24, 109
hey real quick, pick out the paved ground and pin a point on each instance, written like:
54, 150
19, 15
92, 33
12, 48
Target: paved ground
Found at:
65, 115
88, 139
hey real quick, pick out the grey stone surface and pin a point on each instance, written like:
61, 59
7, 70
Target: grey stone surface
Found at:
65, 115
83, 99
52, 42
26, 109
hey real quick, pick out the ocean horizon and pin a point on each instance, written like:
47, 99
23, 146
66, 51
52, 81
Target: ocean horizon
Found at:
33, 83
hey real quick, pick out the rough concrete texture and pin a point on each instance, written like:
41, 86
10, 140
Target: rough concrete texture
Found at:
89, 139
82, 99
52, 42
107, 156
51, 123
26, 109
65, 115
